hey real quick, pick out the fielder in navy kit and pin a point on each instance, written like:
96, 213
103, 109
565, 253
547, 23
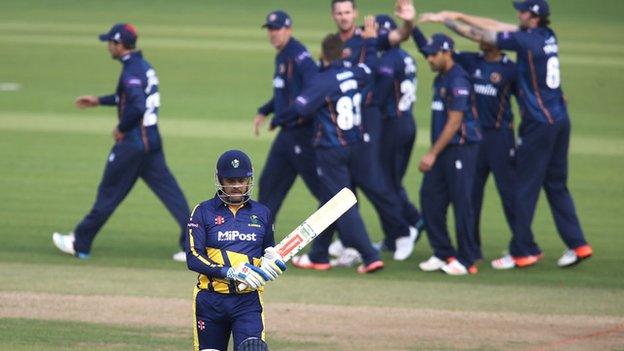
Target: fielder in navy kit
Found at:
449, 166
336, 99
292, 153
137, 152
493, 77
395, 94
544, 135
344, 13
227, 237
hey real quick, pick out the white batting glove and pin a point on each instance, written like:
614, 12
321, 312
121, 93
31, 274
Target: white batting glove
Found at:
272, 263
248, 274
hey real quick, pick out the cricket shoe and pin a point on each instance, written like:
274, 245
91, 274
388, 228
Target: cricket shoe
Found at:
508, 262
349, 258
336, 248
454, 267
405, 245
371, 267
572, 257
432, 264
65, 243
304, 262
179, 256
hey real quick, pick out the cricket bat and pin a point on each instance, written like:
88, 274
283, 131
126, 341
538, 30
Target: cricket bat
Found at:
314, 225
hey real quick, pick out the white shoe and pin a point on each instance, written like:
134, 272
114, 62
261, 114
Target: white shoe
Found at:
336, 248
349, 258
432, 264
569, 258
179, 256
404, 247
455, 268
64, 243
414, 233
504, 262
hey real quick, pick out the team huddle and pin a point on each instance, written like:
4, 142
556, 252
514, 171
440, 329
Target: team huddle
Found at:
347, 122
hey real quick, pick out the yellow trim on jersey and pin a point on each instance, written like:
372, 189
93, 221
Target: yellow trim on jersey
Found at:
192, 243
219, 285
260, 294
195, 335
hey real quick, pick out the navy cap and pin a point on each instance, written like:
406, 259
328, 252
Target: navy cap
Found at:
124, 33
385, 23
537, 7
438, 42
234, 164
277, 19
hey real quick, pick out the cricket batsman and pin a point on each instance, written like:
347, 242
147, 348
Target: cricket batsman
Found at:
230, 242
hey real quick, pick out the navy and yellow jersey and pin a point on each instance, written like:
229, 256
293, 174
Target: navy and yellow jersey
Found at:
219, 239
493, 82
294, 68
539, 78
335, 99
452, 91
395, 84
137, 100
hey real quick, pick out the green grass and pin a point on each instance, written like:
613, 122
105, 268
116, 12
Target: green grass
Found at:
215, 67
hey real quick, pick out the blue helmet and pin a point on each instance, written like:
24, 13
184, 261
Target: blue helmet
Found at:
233, 164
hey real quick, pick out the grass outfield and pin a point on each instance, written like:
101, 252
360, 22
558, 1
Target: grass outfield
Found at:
215, 67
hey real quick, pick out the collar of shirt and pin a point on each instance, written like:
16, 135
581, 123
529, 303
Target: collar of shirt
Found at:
219, 205
125, 59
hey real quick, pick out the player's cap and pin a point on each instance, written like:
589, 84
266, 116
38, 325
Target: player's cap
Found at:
438, 42
537, 7
277, 19
253, 344
385, 23
124, 33
234, 164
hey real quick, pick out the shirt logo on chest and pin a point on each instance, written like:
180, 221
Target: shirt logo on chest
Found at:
235, 235
495, 77
254, 221
219, 220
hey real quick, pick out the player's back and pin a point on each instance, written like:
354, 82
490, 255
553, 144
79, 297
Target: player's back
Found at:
138, 90
539, 75
339, 120
400, 66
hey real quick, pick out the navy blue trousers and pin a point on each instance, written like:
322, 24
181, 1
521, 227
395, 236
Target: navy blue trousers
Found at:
219, 315
542, 162
497, 155
397, 141
450, 181
126, 163
341, 167
291, 154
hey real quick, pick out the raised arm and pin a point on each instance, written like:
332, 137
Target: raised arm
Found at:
480, 22
405, 11
471, 32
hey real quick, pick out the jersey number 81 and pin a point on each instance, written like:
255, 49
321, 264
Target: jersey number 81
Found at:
349, 111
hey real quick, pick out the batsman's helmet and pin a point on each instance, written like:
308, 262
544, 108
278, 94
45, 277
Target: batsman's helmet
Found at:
233, 164
253, 344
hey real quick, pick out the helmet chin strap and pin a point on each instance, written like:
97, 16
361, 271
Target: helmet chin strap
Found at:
226, 198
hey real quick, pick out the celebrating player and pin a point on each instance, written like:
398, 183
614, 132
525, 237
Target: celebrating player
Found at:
227, 236
395, 93
544, 136
449, 165
291, 153
334, 100
493, 76
344, 13
137, 152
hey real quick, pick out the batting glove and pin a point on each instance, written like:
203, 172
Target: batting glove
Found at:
272, 263
248, 274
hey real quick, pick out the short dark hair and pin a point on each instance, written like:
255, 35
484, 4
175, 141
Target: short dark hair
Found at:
332, 47
337, 1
